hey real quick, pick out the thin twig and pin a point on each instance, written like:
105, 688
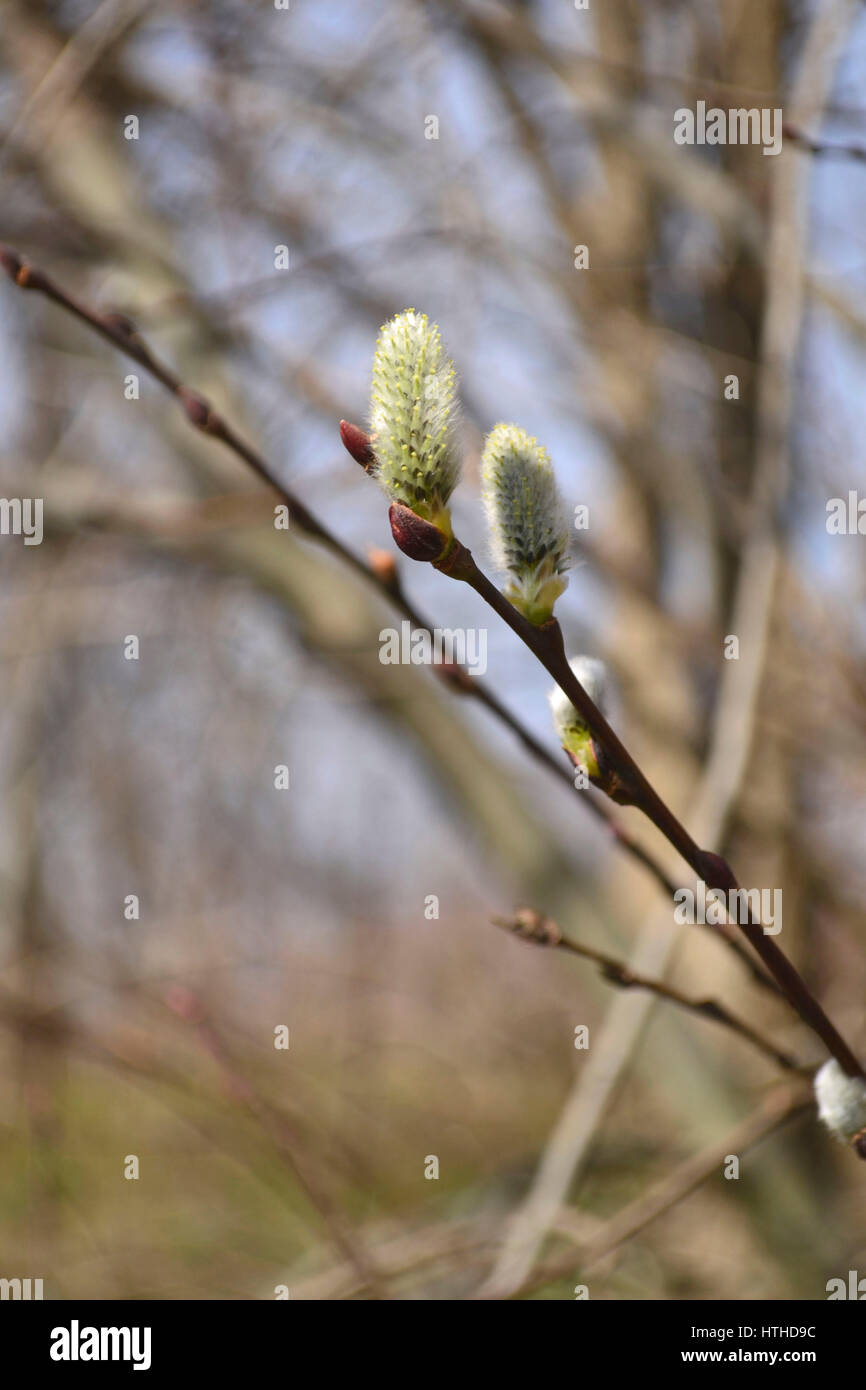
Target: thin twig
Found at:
531, 925
822, 149
187, 1005
779, 1106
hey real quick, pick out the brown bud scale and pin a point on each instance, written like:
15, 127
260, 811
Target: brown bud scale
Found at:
358, 444
417, 538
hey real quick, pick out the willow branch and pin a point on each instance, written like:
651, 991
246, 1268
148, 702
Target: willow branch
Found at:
121, 333
187, 1005
626, 782
821, 149
531, 925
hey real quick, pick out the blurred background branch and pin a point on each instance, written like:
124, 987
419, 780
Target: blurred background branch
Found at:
413, 1034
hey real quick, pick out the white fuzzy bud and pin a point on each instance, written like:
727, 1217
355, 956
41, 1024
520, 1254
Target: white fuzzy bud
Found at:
594, 678
528, 529
571, 730
413, 414
841, 1101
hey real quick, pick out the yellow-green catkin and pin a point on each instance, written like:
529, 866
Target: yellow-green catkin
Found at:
414, 417
528, 530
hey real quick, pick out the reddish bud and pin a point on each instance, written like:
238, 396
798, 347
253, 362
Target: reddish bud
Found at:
384, 566
358, 444
455, 676
10, 261
185, 1003
120, 324
26, 276
197, 408
716, 872
417, 538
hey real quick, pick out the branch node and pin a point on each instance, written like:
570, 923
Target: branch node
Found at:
121, 325
417, 538
199, 411
531, 926
24, 275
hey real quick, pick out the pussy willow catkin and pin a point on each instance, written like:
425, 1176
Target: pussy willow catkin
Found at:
528, 530
414, 416
841, 1101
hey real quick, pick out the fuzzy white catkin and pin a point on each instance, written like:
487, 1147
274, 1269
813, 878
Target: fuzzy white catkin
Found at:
841, 1100
413, 415
594, 678
528, 531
